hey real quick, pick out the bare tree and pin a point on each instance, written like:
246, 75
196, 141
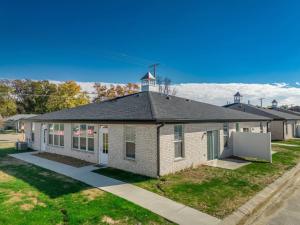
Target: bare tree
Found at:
174, 91
167, 84
159, 82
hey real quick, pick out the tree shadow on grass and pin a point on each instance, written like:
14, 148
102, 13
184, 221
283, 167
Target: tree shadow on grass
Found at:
50, 183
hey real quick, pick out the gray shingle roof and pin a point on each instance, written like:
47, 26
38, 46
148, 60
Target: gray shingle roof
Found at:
271, 113
20, 117
152, 107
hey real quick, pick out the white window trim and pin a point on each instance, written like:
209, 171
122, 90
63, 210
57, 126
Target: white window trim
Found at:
86, 136
125, 141
182, 143
48, 127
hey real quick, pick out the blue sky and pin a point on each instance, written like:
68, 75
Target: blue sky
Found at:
249, 41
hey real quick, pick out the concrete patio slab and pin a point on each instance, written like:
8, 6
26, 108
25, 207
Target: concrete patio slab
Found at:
171, 210
230, 164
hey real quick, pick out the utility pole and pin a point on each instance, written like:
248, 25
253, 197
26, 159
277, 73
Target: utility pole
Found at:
154, 68
261, 102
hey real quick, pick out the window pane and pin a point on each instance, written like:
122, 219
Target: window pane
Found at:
245, 129
61, 139
178, 132
130, 149
56, 137
83, 143
76, 131
50, 139
56, 127
62, 127
105, 143
237, 127
178, 149
75, 142
51, 128
90, 131
82, 130
91, 144
130, 134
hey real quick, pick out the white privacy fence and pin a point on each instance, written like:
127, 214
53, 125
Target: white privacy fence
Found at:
254, 145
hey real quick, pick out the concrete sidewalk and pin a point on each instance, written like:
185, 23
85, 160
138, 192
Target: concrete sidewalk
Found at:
162, 206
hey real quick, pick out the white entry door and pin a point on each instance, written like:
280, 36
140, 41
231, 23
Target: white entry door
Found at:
103, 145
43, 137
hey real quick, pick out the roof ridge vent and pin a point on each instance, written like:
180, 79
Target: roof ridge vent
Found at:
188, 100
168, 97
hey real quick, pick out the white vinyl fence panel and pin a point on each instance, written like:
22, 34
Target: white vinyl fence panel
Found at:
255, 145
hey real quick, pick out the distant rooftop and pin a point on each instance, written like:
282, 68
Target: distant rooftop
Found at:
271, 113
19, 117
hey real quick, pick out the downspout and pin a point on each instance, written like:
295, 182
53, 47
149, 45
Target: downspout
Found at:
158, 148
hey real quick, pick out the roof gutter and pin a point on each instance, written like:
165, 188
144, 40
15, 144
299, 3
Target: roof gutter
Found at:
158, 147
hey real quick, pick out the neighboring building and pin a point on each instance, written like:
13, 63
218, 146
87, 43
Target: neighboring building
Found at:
296, 127
147, 133
16, 122
295, 108
283, 125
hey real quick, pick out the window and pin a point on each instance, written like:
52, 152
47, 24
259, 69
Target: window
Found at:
105, 143
130, 142
261, 127
178, 141
225, 134
83, 137
32, 131
246, 129
237, 127
56, 134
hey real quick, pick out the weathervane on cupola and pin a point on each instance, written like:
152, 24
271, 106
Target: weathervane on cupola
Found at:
237, 97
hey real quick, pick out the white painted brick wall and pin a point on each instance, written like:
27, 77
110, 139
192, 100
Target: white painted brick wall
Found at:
145, 154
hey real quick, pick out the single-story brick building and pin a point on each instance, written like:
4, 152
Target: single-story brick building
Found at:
147, 133
284, 123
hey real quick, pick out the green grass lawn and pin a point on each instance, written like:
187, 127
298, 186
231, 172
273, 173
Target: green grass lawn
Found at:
291, 141
32, 195
215, 191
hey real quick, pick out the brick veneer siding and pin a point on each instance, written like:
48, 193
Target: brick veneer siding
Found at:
195, 146
145, 152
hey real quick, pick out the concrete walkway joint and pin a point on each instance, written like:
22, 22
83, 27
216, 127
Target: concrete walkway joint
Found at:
162, 206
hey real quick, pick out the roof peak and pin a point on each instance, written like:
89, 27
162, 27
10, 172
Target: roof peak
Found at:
148, 76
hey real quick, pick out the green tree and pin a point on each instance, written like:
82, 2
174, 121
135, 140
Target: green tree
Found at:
32, 96
7, 102
68, 95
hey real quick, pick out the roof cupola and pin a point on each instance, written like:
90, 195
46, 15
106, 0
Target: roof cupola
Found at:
237, 97
148, 82
274, 104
